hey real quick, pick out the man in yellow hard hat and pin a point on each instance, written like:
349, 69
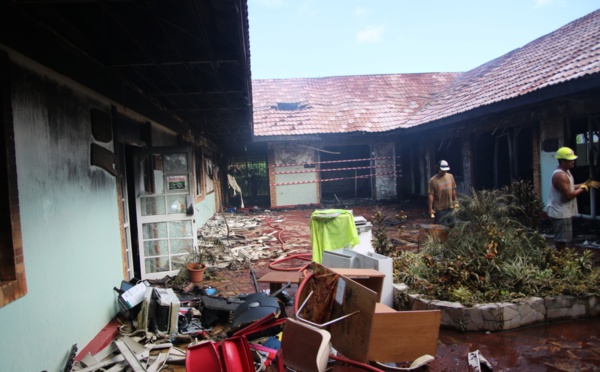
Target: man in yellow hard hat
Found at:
562, 202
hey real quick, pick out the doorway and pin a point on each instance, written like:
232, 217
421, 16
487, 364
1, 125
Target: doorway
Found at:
164, 210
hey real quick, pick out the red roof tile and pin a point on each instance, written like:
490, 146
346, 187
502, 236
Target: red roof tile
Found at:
379, 103
342, 104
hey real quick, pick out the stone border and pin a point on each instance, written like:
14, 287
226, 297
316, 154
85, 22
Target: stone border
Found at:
501, 316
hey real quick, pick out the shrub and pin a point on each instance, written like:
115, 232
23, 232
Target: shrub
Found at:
490, 256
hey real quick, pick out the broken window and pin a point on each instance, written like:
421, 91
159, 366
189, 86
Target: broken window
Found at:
199, 173
208, 175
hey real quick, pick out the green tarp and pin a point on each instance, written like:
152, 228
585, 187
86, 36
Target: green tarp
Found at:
331, 229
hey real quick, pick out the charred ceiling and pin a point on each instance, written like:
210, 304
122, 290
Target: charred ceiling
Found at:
185, 62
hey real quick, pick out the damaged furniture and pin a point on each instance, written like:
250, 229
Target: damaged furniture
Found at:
230, 355
376, 332
303, 347
277, 278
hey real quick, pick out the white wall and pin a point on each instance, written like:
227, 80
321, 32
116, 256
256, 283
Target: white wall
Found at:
303, 190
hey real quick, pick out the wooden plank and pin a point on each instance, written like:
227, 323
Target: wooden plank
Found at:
404, 335
159, 363
129, 356
111, 361
121, 366
280, 277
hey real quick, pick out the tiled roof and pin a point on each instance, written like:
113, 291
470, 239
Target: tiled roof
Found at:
379, 103
571, 52
342, 104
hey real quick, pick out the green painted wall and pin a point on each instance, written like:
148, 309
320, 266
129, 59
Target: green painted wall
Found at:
70, 228
205, 209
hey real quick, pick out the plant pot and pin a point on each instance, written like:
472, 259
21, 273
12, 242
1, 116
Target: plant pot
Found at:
196, 272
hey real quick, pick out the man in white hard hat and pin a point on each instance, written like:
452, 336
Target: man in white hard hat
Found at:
442, 196
562, 202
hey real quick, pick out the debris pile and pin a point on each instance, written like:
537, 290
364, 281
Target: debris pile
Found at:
235, 239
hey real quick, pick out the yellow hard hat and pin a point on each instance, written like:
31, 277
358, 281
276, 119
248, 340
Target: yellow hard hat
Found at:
565, 153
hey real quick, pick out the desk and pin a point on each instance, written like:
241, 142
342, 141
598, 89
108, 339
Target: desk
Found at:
277, 278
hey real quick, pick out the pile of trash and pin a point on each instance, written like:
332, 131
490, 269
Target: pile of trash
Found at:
158, 327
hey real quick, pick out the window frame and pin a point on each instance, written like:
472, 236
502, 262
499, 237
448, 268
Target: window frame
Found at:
13, 283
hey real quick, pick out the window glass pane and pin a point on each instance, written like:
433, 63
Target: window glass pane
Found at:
155, 230
181, 246
177, 262
157, 264
156, 248
180, 229
176, 204
175, 163
152, 206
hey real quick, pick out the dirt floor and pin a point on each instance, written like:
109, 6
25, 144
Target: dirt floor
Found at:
565, 346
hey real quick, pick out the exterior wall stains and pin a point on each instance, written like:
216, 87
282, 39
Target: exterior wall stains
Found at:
69, 222
385, 162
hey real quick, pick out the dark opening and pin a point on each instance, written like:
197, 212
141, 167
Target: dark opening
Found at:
349, 171
587, 148
483, 164
252, 175
451, 151
524, 154
502, 160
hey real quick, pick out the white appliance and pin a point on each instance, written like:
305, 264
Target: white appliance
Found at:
350, 258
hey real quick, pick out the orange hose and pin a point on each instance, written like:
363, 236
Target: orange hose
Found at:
279, 233
302, 256
300, 288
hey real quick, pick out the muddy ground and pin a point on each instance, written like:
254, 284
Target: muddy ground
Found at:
565, 346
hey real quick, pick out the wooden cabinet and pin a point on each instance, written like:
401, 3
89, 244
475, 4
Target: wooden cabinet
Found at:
377, 332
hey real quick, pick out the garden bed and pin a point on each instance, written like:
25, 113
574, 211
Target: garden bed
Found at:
503, 316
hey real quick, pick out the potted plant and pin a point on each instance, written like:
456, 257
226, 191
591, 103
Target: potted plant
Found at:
195, 263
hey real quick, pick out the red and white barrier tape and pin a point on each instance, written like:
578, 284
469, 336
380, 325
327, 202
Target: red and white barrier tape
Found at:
397, 174
334, 169
332, 161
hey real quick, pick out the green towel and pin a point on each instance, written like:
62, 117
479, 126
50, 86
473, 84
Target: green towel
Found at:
331, 229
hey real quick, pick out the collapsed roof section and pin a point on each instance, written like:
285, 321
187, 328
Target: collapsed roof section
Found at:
563, 62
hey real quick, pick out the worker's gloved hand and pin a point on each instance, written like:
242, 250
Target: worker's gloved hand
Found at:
456, 206
591, 183
585, 187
